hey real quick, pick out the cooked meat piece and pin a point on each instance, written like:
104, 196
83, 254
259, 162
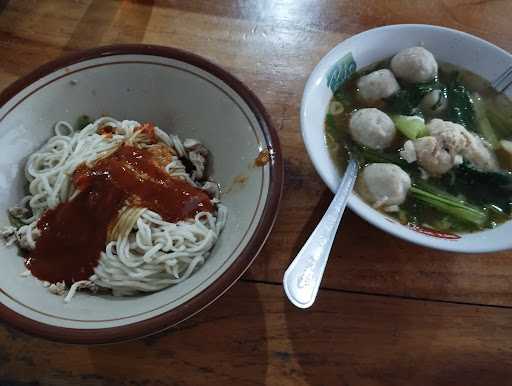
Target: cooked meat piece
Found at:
415, 65
384, 185
448, 144
377, 85
373, 128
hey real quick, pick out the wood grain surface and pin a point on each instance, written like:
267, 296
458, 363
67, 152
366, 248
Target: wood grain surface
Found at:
252, 336
390, 313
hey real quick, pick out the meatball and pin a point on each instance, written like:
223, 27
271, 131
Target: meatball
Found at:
384, 185
377, 85
448, 144
373, 128
415, 65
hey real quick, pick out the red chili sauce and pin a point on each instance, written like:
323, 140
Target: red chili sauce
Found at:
74, 233
106, 131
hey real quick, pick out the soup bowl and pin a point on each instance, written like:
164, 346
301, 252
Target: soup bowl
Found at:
183, 94
369, 47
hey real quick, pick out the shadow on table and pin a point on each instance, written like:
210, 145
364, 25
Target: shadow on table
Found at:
366, 259
223, 345
3, 4
350, 340
317, 213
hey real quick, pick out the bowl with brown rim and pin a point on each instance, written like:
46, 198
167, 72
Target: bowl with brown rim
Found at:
183, 94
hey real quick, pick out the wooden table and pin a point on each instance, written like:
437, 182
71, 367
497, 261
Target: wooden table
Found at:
390, 313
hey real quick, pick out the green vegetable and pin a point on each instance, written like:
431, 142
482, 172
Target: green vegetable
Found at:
482, 188
484, 126
330, 123
82, 121
402, 103
367, 155
411, 126
500, 179
433, 197
406, 100
500, 119
449, 204
461, 213
460, 105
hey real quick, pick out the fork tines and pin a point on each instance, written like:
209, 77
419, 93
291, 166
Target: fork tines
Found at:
502, 82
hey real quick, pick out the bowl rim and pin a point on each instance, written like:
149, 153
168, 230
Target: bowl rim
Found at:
233, 272
354, 203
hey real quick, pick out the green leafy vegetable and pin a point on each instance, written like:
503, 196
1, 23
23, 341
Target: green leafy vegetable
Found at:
483, 188
367, 155
411, 126
500, 118
330, 123
402, 103
500, 179
406, 100
483, 124
460, 105
458, 209
449, 204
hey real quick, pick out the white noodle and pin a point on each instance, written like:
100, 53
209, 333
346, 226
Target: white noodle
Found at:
154, 254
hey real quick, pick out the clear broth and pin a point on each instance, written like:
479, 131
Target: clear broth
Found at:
411, 211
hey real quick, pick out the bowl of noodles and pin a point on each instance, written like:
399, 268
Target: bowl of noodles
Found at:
138, 184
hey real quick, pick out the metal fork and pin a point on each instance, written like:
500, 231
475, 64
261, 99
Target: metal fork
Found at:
502, 82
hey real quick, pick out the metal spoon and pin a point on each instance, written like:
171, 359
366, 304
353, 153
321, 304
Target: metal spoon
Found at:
302, 278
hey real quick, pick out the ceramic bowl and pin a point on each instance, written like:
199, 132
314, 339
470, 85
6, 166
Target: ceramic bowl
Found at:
361, 50
181, 93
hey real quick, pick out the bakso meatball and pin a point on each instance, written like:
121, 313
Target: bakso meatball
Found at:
384, 185
371, 127
377, 85
415, 65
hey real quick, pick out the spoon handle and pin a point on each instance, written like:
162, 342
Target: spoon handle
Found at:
302, 278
